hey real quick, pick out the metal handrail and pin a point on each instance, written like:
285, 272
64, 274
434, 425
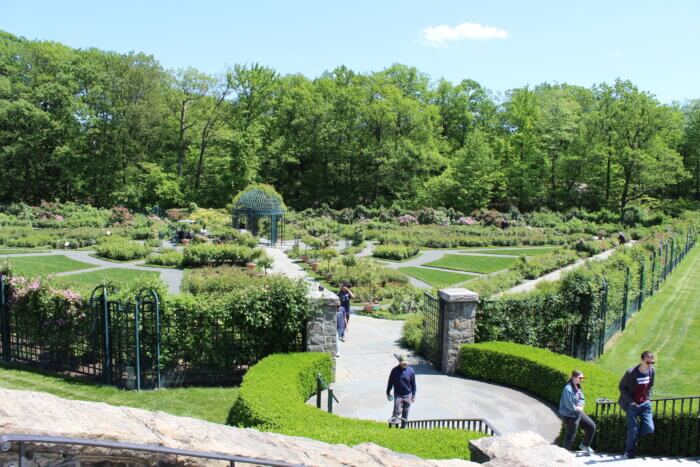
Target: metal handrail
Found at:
7, 440
470, 424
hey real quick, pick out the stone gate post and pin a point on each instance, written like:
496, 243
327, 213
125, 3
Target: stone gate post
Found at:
321, 329
458, 313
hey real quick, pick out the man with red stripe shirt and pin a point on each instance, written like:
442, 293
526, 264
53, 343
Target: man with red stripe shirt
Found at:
635, 398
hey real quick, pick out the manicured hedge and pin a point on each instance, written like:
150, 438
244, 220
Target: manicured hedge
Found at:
273, 394
538, 371
208, 254
396, 252
544, 373
121, 249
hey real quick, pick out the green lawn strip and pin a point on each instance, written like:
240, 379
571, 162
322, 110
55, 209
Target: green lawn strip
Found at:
514, 251
669, 325
211, 404
31, 266
85, 282
434, 277
20, 251
469, 263
118, 261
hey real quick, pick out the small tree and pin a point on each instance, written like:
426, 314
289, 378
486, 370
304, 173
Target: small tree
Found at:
265, 261
348, 261
328, 254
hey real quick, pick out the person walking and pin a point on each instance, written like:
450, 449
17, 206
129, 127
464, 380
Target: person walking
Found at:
345, 295
340, 329
571, 409
635, 399
402, 380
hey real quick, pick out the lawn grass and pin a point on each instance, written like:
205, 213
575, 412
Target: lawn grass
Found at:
20, 251
31, 266
469, 263
85, 282
211, 404
669, 325
434, 277
514, 251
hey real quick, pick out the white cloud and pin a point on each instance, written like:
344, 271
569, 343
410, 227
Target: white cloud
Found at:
440, 35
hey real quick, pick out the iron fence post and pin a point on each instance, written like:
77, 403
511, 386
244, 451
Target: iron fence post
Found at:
604, 312
625, 298
5, 320
642, 273
137, 344
318, 391
330, 400
653, 272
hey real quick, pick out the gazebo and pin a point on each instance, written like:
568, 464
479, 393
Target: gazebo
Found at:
255, 203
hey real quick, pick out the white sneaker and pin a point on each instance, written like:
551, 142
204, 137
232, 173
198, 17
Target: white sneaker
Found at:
586, 449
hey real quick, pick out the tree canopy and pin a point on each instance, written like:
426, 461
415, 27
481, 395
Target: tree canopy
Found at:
119, 129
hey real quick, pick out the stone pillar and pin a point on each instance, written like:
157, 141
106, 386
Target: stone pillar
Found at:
321, 332
458, 314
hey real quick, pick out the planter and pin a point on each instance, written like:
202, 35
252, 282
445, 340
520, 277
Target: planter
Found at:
369, 307
251, 266
314, 266
185, 241
304, 258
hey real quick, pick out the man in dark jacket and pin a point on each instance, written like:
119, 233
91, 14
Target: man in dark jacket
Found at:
403, 380
635, 398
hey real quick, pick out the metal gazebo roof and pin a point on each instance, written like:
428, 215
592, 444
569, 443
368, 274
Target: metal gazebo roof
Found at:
259, 202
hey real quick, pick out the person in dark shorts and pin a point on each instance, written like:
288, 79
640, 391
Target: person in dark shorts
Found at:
345, 296
571, 409
635, 399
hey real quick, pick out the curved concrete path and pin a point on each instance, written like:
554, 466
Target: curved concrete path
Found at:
367, 356
172, 277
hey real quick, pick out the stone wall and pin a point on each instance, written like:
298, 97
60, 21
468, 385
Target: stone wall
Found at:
28, 412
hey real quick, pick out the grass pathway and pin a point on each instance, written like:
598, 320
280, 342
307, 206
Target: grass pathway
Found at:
669, 325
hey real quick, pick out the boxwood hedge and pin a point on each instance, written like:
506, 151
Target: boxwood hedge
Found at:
272, 398
544, 373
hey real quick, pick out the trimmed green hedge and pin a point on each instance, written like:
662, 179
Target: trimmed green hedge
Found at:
208, 254
538, 371
544, 373
395, 252
272, 398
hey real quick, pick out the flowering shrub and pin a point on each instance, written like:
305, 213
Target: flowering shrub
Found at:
176, 214
48, 319
466, 220
121, 215
121, 249
407, 220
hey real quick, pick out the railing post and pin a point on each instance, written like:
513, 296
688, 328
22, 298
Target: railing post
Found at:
625, 298
653, 273
330, 400
318, 391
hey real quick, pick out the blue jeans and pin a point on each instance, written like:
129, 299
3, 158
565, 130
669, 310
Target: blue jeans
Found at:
639, 423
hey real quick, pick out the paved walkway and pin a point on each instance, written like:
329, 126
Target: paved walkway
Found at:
556, 275
367, 356
172, 277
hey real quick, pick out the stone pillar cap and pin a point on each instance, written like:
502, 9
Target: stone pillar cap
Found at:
325, 297
458, 295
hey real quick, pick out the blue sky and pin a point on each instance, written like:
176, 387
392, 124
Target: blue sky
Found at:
500, 44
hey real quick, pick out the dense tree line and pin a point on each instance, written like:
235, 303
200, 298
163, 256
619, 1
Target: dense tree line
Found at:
109, 128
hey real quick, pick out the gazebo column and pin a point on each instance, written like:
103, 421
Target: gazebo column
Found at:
273, 230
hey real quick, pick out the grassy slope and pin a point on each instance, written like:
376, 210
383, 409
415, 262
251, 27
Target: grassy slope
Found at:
434, 277
212, 404
31, 266
669, 325
482, 264
86, 281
